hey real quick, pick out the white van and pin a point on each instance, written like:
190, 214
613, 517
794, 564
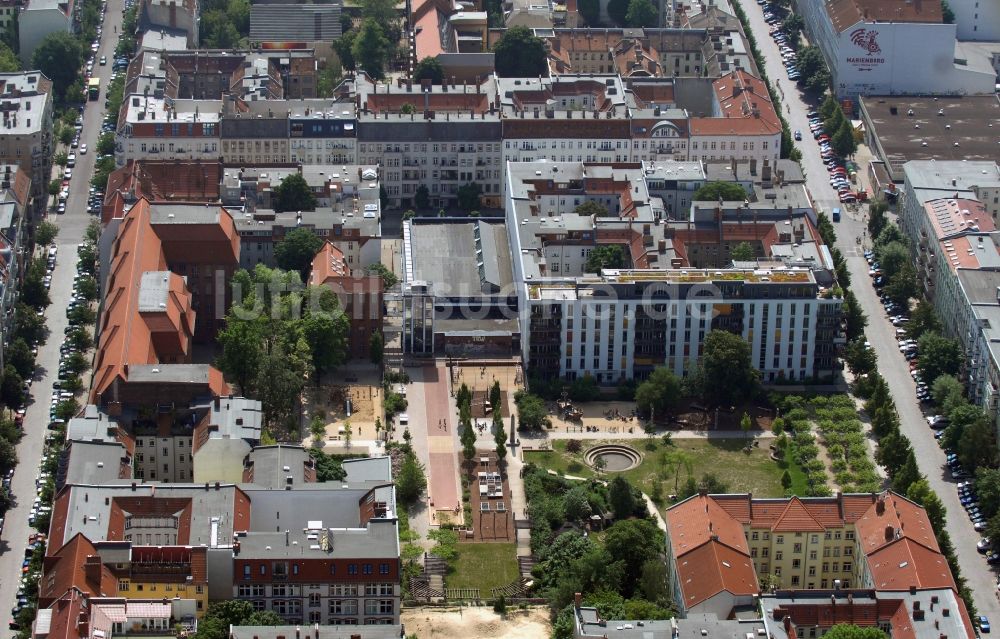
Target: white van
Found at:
404, 419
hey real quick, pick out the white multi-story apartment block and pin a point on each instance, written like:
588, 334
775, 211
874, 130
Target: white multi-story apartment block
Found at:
26, 130
677, 282
154, 128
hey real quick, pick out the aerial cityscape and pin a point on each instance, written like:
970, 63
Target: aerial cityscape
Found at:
500, 319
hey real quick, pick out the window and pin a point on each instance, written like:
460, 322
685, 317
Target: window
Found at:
847, 566
778, 555
352, 569
122, 585
780, 539
314, 600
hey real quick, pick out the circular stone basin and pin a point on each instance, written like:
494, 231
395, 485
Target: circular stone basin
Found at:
617, 457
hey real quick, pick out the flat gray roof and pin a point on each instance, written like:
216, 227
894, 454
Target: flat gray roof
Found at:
273, 465
455, 263
176, 373
967, 129
94, 462
154, 289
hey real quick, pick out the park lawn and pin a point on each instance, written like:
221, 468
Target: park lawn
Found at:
483, 566
725, 458
800, 481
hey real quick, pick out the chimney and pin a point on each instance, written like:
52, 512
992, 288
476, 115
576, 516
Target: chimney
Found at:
577, 600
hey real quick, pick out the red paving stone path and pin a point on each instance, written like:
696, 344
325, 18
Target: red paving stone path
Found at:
441, 443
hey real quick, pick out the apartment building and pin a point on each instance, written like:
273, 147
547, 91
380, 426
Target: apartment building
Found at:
26, 134
439, 137
664, 52
207, 75
160, 181
328, 553
164, 286
163, 129
348, 211
622, 324
283, 131
790, 614
15, 199
173, 15
720, 548
744, 124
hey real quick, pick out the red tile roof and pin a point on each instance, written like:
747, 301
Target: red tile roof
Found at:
713, 568
75, 565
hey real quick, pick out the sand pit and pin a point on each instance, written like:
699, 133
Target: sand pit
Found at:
476, 623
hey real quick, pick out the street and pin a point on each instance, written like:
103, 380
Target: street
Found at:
72, 226
882, 335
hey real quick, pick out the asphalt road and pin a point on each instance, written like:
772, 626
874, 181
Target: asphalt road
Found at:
882, 334
72, 226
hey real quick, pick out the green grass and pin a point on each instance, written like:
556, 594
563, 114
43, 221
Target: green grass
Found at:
483, 566
800, 482
741, 472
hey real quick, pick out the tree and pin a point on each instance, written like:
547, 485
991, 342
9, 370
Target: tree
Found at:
977, 447
653, 582
371, 49
923, 319
468, 439
376, 348
727, 367
903, 285
854, 316
743, 252
531, 411
618, 11
988, 490
33, 292
8, 59
584, 389
86, 287
18, 355
591, 208
468, 196
343, 47
325, 329
725, 191
242, 352
389, 279
877, 218
496, 396
106, 144
906, 475
843, 140
317, 428
293, 194
422, 198
921, 492
848, 631
633, 542
12, 387
609, 256
813, 68
947, 391
499, 437
590, 10
745, 425
786, 480
947, 13
576, 504
8, 455
295, 252
939, 355
621, 497
61, 158
659, 393
59, 56
519, 54
860, 359
641, 14
45, 232
891, 257
429, 69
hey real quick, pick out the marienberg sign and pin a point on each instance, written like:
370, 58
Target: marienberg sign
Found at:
867, 41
